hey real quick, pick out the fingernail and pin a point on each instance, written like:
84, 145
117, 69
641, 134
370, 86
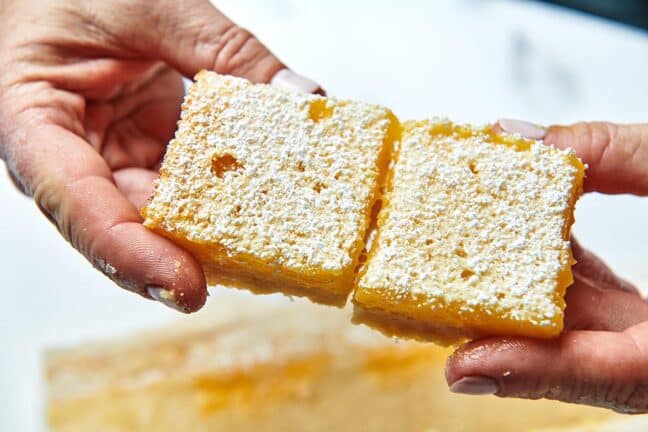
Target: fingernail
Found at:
288, 79
474, 385
526, 129
165, 297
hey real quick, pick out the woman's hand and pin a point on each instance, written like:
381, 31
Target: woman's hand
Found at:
602, 357
90, 94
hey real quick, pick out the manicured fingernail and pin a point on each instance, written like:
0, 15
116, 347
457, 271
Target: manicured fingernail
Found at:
165, 297
474, 385
526, 129
288, 79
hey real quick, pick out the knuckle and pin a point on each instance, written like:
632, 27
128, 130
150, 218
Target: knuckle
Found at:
230, 48
594, 140
238, 32
238, 52
600, 137
104, 240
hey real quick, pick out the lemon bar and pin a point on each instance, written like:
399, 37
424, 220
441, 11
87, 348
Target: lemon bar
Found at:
473, 236
257, 364
270, 189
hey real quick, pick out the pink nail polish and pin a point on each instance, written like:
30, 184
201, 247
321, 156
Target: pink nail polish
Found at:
475, 385
288, 79
526, 129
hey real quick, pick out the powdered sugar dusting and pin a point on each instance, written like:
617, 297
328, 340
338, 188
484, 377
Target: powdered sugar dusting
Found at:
475, 223
292, 190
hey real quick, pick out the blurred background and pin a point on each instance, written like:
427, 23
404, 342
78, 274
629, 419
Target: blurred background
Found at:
469, 60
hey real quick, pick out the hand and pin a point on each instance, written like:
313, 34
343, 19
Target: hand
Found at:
601, 358
89, 97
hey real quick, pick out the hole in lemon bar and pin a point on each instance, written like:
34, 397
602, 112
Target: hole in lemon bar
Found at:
223, 163
319, 110
466, 273
363, 257
319, 186
473, 168
461, 253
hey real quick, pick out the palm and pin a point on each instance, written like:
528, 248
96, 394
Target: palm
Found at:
88, 102
130, 123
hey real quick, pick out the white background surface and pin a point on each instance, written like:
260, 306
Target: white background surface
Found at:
469, 60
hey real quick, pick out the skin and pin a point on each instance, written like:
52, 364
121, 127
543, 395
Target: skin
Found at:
601, 358
89, 96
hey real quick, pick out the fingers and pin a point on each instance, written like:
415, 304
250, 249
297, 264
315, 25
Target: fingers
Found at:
590, 307
599, 299
591, 365
616, 155
592, 269
193, 35
586, 367
72, 185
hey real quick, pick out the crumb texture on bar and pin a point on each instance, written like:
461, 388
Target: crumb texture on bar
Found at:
271, 185
474, 232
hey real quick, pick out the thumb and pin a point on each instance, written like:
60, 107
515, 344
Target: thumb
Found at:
191, 35
616, 155
603, 369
